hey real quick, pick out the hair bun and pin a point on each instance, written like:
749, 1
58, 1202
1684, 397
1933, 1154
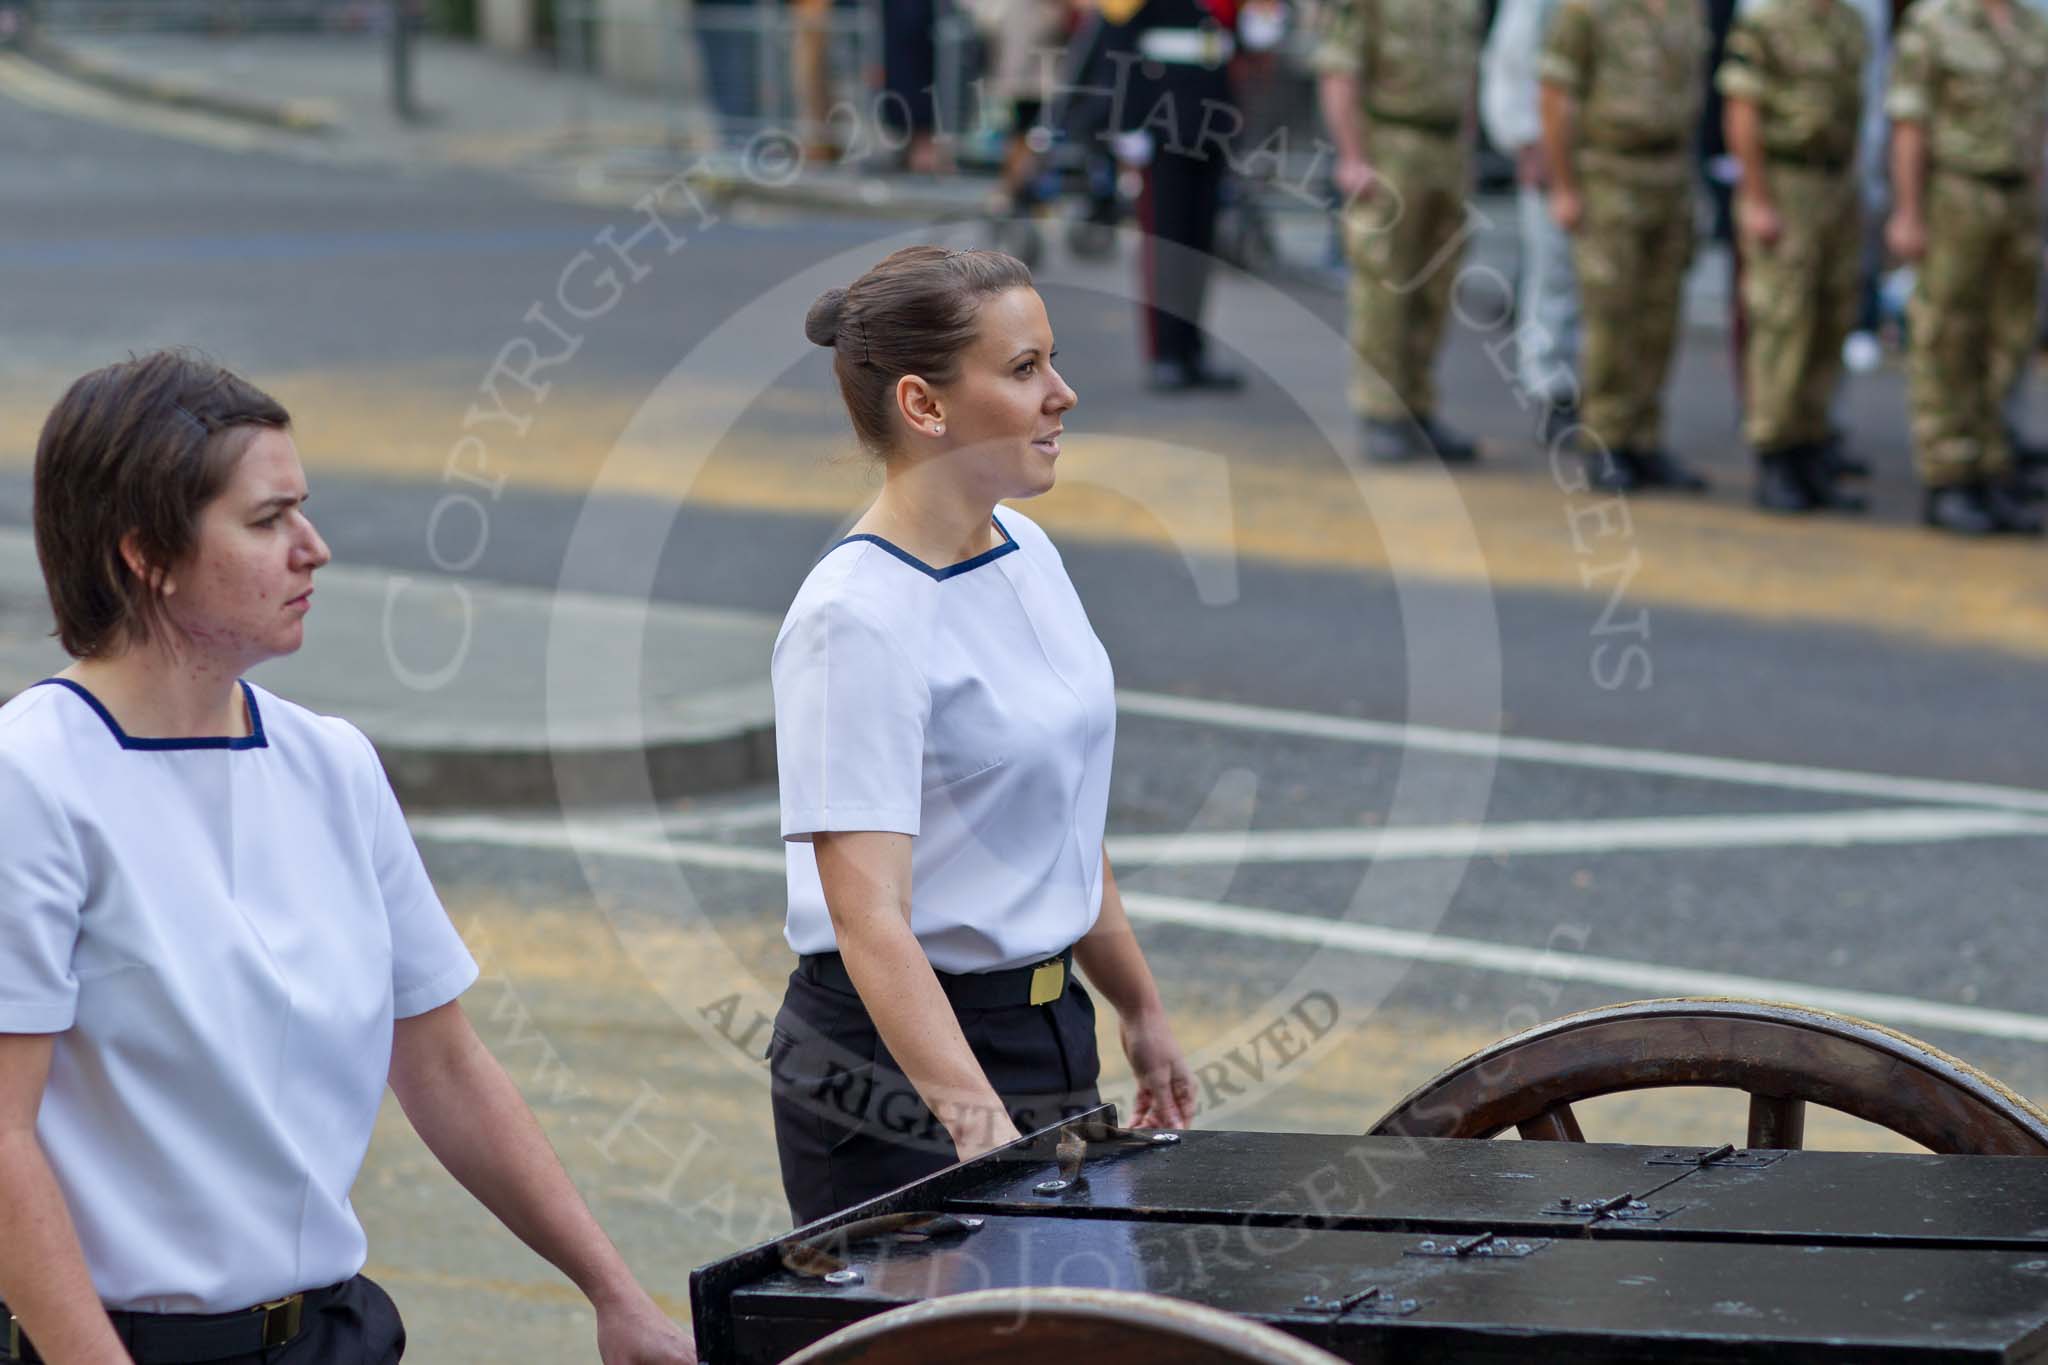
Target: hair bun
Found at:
821, 324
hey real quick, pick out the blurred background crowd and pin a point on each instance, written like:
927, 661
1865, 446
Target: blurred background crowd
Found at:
1014, 95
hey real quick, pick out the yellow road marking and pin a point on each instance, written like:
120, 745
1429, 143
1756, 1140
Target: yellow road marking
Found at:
1707, 555
41, 88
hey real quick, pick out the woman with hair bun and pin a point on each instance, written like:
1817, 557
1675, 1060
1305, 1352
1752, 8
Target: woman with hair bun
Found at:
944, 721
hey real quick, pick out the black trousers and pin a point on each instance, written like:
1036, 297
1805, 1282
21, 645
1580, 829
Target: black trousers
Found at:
849, 1126
1183, 191
356, 1325
909, 66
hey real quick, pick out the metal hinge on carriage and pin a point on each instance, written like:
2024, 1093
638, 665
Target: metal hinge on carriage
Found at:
1480, 1246
1726, 1157
1626, 1208
1374, 1300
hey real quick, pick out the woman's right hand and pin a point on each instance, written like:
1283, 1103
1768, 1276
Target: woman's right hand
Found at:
980, 1129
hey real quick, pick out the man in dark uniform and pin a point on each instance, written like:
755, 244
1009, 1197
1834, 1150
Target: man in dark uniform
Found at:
1168, 63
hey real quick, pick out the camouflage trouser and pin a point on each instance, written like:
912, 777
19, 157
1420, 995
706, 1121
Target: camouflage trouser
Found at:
1405, 243
1631, 250
1972, 320
1800, 299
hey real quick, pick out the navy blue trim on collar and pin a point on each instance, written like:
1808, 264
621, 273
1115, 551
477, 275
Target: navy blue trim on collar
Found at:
255, 739
950, 570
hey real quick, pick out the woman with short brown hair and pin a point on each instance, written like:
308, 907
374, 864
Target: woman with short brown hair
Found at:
217, 941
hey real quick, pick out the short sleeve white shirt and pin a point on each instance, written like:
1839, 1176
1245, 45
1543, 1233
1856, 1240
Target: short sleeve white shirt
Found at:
972, 707
220, 933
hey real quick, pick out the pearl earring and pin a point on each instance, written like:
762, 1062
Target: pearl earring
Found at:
938, 429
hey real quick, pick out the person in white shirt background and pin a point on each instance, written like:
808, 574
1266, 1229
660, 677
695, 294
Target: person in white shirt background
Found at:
1547, 309
217, 940
944, 722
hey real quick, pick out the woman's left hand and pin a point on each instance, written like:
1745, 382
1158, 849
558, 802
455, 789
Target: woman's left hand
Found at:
1166, 1087
639, 1333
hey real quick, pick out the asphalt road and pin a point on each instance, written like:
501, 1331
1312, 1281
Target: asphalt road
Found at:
376, 302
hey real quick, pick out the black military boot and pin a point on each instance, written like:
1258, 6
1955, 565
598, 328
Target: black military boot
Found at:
1656, 468
1781, 485
1820, 469
1959, 508
1609, 470
1452, 446
2010, 507
1394, 440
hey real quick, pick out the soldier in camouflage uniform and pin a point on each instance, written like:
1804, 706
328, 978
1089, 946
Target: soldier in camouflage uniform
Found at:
1969, 104
1623, 82
1792, 77
1397, 80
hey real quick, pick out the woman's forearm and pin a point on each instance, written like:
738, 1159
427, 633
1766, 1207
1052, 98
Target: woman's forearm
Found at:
43, 1277
910, 1010
866, 879
1110, 958
473, 1119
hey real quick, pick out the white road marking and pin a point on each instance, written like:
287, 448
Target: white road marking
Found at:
608, 840
1609, 758
725, 819
1833, 829
1637, 978
1643, 979
729, 818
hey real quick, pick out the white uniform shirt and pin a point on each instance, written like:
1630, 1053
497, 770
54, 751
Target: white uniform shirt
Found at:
220, 933
971, 707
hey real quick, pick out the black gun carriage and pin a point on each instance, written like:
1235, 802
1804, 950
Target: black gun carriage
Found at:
1420, 1241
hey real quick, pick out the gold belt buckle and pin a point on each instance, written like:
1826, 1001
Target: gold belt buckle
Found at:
1048, 981
281, 1319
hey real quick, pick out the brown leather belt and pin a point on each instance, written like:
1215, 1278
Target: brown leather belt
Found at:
2005, 180
1644, 150
1813, 161
1439, 126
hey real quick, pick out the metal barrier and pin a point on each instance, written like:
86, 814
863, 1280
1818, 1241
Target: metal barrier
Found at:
807, 69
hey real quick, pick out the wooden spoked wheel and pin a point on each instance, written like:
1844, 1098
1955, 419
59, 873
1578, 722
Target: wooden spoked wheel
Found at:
1784, 1056
1072, 1326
